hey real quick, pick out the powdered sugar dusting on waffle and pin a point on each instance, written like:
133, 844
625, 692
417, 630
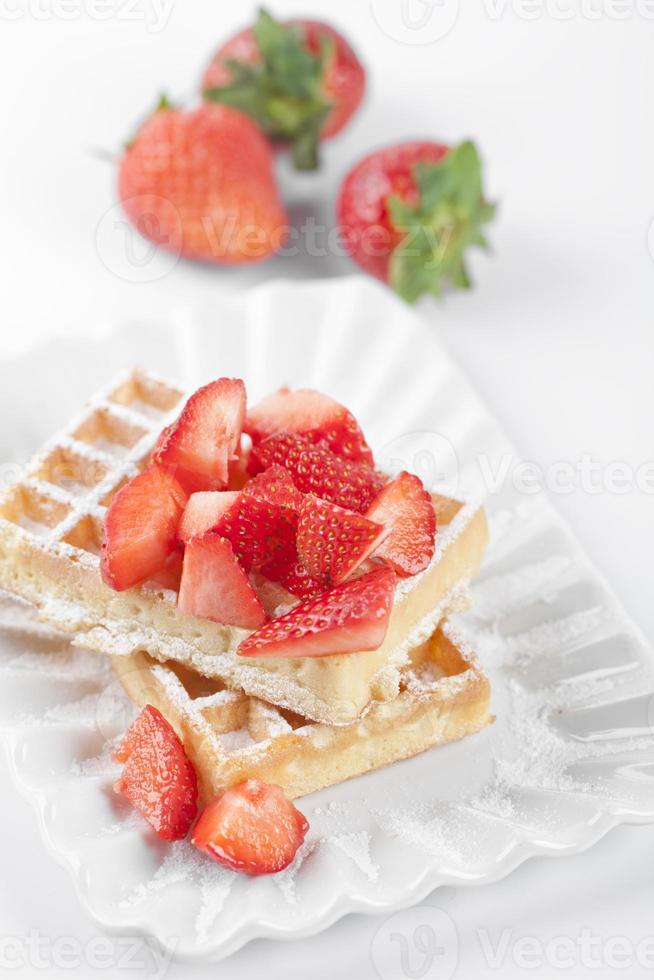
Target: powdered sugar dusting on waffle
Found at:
534, 756
78, 469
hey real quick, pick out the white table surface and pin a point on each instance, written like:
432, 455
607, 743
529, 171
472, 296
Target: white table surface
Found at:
558, 336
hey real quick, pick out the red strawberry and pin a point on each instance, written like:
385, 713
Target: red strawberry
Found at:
351, 617
317, 470
204, 511
332, 542
251, 827
238, 468
277, 556
407, 510
214, 586
275, 486
294, 577
197, 447
158, 779
261, 523
300, 80
140, 528
312, 414
201, 184
171, 574
271, 594
409, 212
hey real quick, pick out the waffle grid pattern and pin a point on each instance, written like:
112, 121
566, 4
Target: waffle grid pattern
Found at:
62, 499
230, 736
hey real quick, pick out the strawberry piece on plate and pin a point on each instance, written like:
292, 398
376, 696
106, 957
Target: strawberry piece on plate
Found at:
349, 618
214, 586
313, 414
204, 511
332, 542
140, 528
198, 447
407, 510
315, 469
251, 827
158, 778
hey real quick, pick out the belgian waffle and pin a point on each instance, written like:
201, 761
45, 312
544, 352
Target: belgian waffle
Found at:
444, 695
50, 539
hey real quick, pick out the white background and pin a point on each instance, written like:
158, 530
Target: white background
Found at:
558, 334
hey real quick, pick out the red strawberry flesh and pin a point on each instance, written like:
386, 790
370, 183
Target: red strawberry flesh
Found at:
315, 469
158, 779
313, 414
407, 510
261, 523
332, 542
198, 447
204, 511
140, 528
351, 617
214, 585
251, 827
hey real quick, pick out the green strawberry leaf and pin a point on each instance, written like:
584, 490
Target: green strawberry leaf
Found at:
283, 91
439, 228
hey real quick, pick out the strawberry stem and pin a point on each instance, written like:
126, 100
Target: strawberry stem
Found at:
438, 229
283, 91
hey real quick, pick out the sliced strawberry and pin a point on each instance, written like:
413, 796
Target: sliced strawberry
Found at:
170, 575
275, 486
238, 467
313, 414
163, 435
204, 511
332, 542
158, 778
200, 444
271, 594
140, 528
214, 586
315, 469
407, 510
251, 827
349, 618
294, 577
261, 523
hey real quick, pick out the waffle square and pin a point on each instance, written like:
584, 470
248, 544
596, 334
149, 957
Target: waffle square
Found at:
50, 540
444, 696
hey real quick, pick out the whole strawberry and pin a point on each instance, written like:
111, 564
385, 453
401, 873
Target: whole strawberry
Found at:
409, 212
200, 183
300, 80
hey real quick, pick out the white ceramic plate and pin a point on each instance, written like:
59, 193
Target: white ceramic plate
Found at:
570, 755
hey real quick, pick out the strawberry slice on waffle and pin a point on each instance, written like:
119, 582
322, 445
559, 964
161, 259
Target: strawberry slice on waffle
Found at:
351, 617
315, 469
310, 413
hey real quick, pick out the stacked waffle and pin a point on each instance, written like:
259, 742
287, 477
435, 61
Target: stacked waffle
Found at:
243, 706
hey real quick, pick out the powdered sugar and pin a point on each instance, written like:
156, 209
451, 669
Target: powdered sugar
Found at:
533, 757
356, 847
